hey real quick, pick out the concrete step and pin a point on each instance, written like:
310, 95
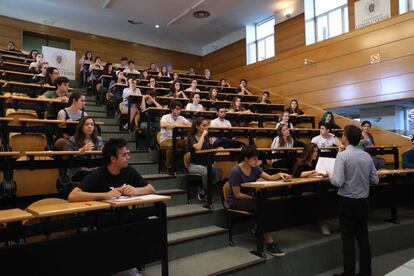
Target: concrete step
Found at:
178, 196
92, 108
192, 241
97, 114
188, 216
214, 262
129, 136
143, 155
106, 120
145, 167
166, 181
110, 128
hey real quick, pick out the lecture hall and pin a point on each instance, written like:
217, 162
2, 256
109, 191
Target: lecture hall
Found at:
205, 137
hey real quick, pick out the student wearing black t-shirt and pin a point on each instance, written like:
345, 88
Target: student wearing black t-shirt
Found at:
115, 179
305, 167
198, 140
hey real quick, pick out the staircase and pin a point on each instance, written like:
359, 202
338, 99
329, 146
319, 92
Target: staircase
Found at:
195, 234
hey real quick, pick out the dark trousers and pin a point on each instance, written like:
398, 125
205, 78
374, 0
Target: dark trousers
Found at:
353, 216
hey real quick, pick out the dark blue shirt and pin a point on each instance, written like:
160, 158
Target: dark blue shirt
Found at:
237, 178
408, 159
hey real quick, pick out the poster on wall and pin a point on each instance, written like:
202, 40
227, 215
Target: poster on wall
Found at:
368, 12
63, 60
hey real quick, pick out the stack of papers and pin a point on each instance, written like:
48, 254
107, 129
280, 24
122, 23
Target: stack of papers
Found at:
131, 198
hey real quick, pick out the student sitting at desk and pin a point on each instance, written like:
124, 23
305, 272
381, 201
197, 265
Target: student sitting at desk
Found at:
195, 105
35, 64
284, 120
198, 140
12, 47
294, 108
177, 91
86, 138
236, 106
213, 94
283, 140
75, 110
326, 139
164, 72
134, 112
113, 92
224, 83
249, 171
61, 92
168, 121
329, 118
43, 72
144, 77
207, 74
191, 71
152, 83
32, 55
85, 62
368, 140
131, 68
175, 77
221, 122
193, 87
408, 157
124, 63
242, 90
52, 73
305, 167
265, 98
153, 67
96, 65
116, 178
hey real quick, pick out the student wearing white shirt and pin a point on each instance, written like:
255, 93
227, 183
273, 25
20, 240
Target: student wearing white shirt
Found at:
193, 87
35, 64
326, 139
168, 121
124, 63
131, 68
195, 105
283, 140
131, 90
220, 121
164, 72
284, 120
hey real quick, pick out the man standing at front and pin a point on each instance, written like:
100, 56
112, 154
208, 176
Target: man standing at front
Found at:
354, 170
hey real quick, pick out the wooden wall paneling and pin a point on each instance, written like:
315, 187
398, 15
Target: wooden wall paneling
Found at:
290, 34
227, 58
389, 68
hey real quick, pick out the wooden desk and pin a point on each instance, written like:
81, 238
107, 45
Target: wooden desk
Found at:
9, 65
17, 76
123, 230
66, 208
13, 215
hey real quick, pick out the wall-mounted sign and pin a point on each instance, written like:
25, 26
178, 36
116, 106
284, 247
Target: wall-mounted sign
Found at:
368, 12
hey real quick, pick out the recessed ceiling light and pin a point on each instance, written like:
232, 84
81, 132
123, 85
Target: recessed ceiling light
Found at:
134, 22
157, 26
201, 14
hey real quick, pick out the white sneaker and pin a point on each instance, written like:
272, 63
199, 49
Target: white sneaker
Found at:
325, 230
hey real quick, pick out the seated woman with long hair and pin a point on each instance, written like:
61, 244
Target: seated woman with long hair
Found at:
368, 140
86, 138
329, 119
198, 140
177, 90
305, 167
283, 140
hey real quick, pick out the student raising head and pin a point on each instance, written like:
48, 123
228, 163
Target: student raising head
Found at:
294, 108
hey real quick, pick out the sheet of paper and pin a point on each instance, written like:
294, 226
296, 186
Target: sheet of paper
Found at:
129, 198
325, 165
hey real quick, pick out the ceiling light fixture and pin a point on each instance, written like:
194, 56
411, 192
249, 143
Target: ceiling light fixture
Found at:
157, 26
201, 14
